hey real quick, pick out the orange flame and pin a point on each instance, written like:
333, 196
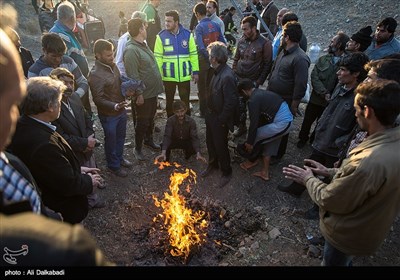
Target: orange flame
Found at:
182, 224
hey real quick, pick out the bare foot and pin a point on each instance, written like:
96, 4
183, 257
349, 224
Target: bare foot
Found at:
248, 164
262, 175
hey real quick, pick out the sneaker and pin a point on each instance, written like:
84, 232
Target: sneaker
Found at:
119, 172
224, 180
126, 163
138, 155
240, 131
151, 144
301, 144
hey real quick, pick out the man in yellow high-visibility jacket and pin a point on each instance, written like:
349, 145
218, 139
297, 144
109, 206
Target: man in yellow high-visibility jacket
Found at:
176, 55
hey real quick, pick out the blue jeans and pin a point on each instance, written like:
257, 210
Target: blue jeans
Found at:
334, 257
114, 138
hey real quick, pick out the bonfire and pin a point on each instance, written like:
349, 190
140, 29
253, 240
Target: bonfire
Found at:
186, 228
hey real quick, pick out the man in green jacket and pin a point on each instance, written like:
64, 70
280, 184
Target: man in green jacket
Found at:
323, 81
360, 204
140, 64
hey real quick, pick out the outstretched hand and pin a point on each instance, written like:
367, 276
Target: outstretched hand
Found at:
298, 174
316, 167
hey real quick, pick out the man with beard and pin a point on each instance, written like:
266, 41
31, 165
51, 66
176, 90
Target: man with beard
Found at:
105, 84
384, 43
289, 75
336, 122
323, 81
364, 192
180, 133
253, 60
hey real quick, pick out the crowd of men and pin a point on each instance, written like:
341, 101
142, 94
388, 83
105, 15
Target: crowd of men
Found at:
351, 175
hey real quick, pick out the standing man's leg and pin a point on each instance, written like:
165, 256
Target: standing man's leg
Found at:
121, 134
335, 257
151, 109
170, 89
312, 113
202, 85
109, 124
184, 94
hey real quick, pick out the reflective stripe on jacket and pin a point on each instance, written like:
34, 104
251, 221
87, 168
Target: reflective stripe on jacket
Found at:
176, 55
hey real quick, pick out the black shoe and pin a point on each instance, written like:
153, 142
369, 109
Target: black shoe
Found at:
224, 180
293, 189
119, 172
126, 163
207, 171
151, 144
312, 213
138, 155
301, 144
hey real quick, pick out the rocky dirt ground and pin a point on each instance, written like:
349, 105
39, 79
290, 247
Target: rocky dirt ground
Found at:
251, 223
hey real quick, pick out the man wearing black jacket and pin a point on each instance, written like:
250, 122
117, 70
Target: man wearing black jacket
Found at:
47, 155
221, 105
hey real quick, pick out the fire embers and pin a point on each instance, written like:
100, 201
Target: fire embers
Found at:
186, 228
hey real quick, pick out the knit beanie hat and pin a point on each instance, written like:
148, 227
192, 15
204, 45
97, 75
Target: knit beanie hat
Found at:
363, 37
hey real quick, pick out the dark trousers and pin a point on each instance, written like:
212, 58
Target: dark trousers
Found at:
335, 257
205, 72
242, 111
184, 94
217, 144
313, 113
133, 111
184, 144
145, 121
